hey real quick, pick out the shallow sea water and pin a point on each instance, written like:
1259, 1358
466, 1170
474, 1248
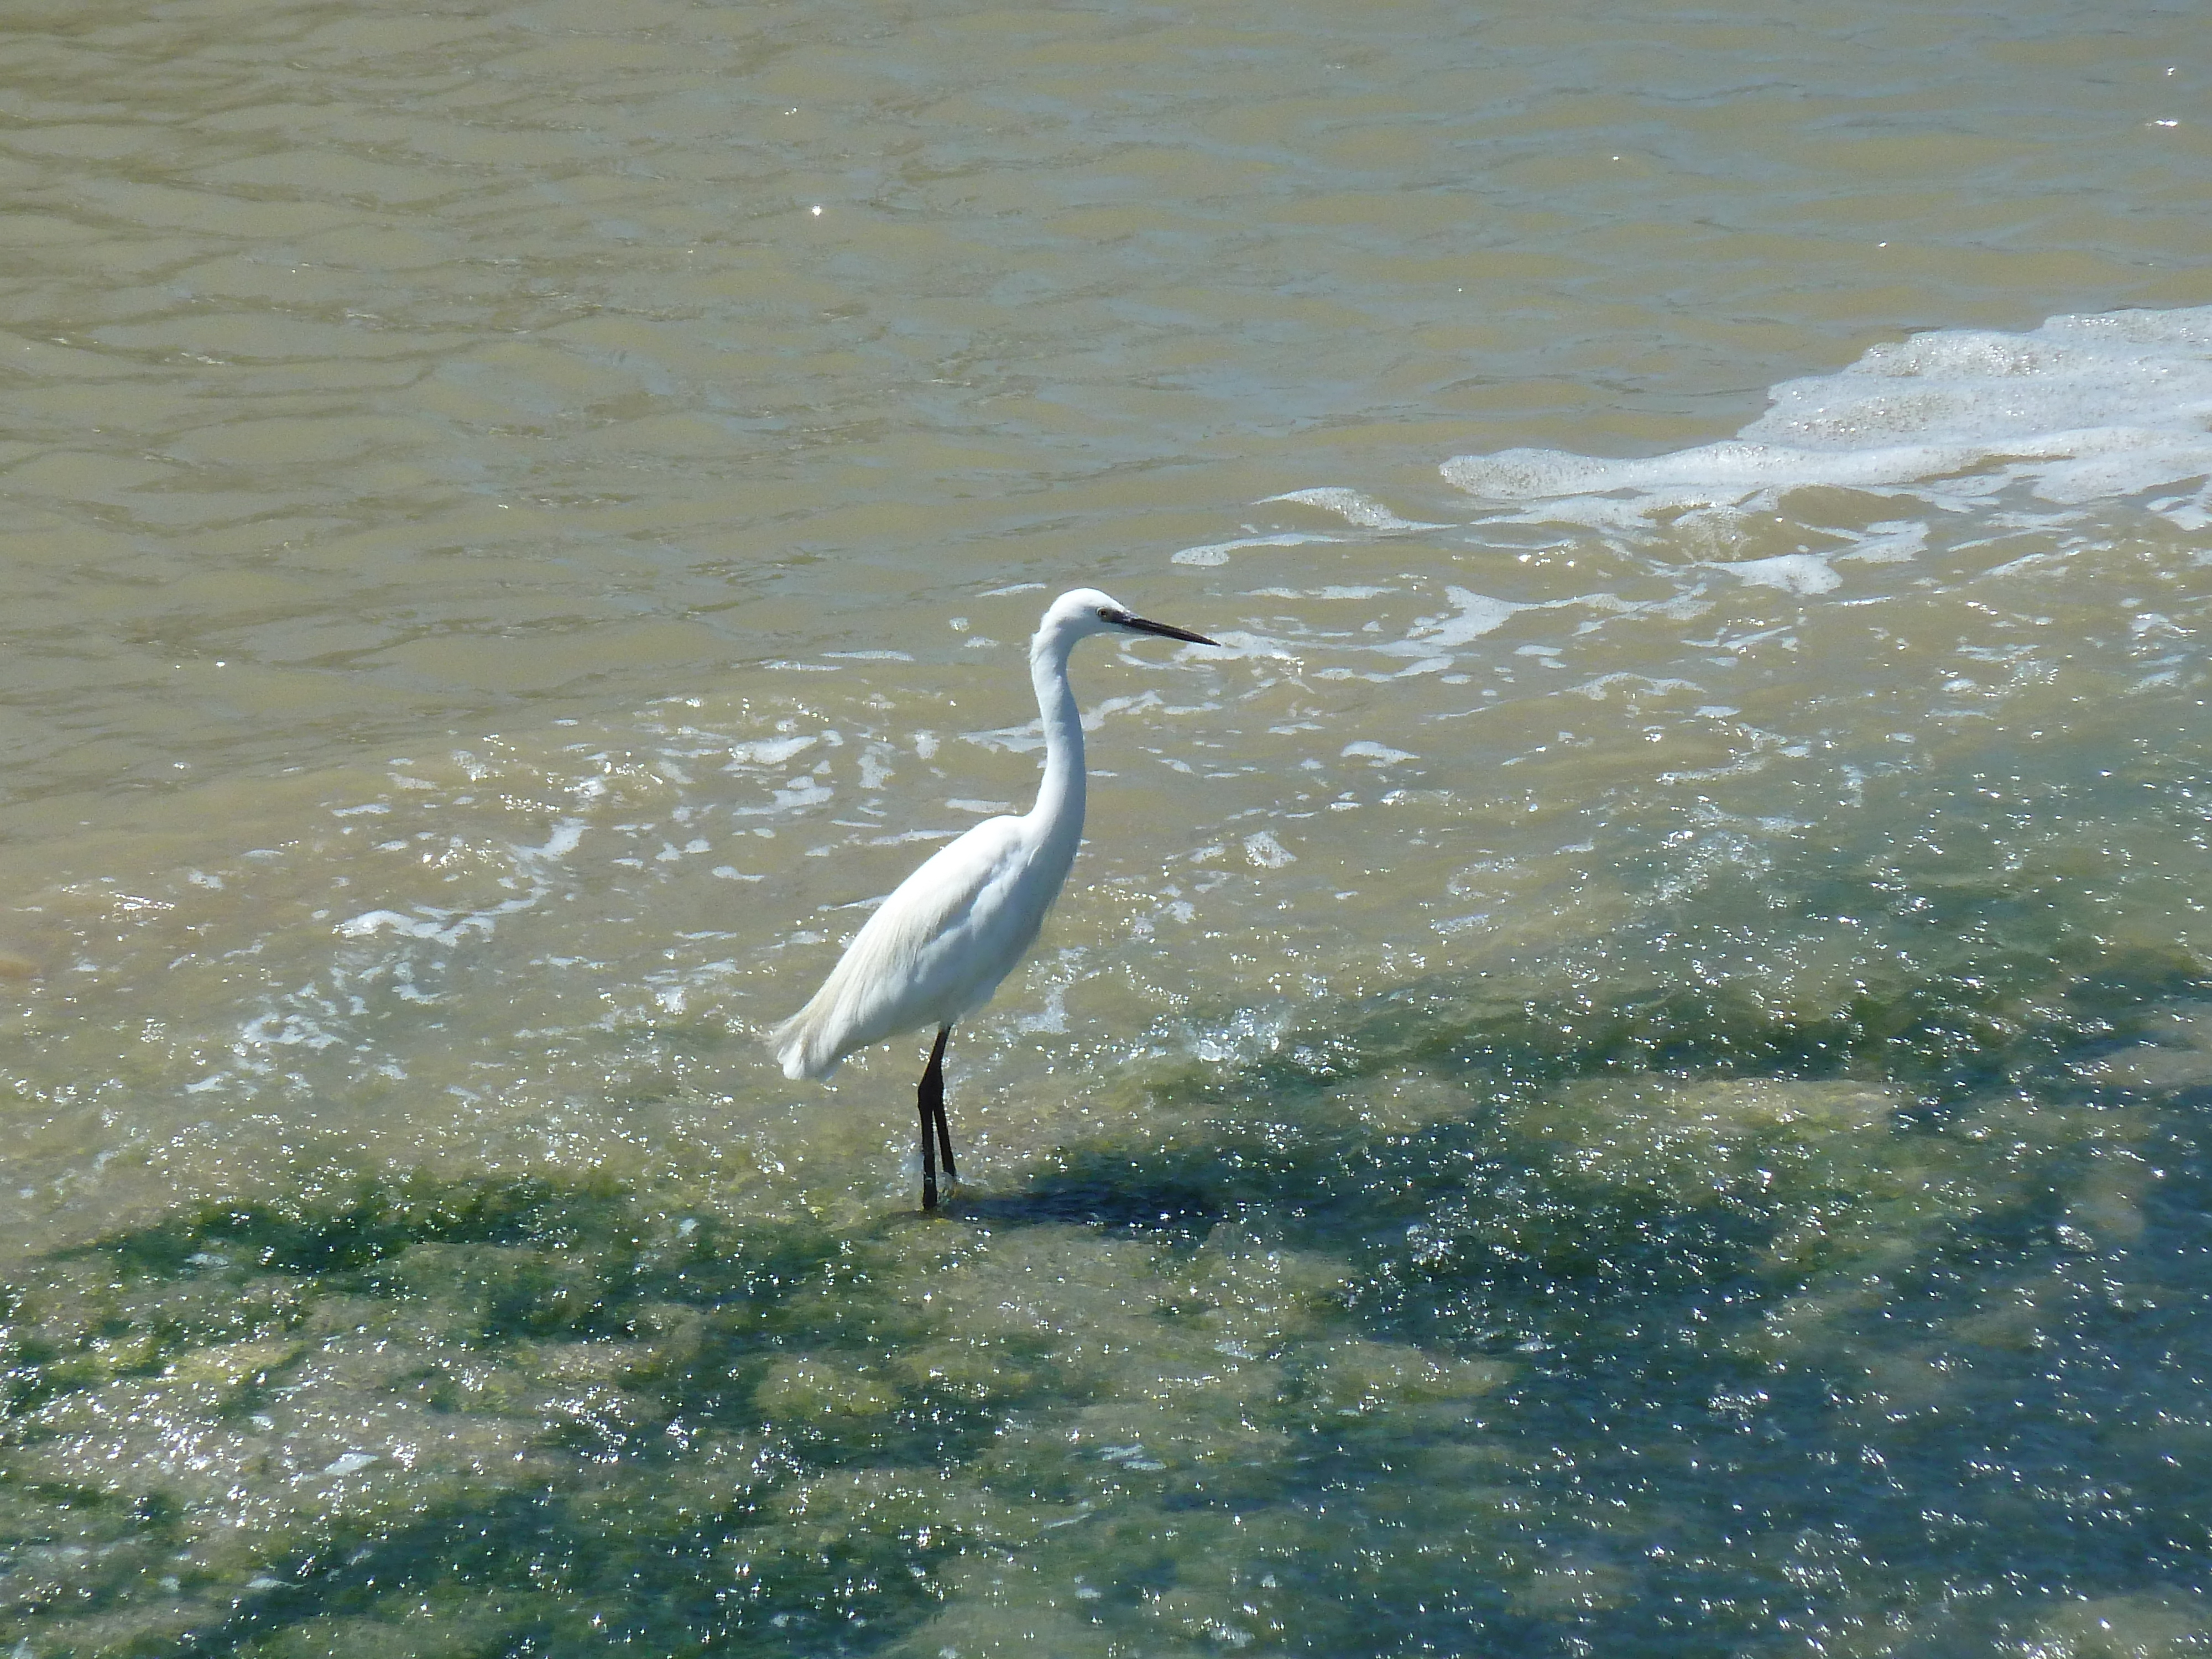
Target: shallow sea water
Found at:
1624, 1069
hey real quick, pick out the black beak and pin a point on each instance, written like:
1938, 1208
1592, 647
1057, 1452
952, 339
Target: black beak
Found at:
1165, 630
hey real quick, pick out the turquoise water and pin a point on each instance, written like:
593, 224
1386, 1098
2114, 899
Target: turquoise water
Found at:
1624, 1069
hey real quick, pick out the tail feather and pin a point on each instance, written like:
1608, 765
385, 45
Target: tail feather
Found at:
797, 1044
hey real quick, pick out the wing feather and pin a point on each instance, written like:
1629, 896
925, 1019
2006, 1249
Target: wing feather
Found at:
934, 949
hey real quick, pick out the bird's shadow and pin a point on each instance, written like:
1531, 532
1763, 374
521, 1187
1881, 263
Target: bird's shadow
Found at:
1095, 1199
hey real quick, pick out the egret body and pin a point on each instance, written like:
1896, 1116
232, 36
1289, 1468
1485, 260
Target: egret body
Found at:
936, 948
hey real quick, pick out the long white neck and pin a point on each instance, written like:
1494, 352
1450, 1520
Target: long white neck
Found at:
1059, 809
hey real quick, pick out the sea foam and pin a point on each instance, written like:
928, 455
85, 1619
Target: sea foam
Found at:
2080, 409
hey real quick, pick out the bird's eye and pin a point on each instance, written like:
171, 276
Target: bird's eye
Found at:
1104, 614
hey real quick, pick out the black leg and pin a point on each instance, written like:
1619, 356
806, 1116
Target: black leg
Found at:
929, 1100
928, 1162
944, 1128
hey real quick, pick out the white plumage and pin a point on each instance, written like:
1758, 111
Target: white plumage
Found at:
936, 948
933, 951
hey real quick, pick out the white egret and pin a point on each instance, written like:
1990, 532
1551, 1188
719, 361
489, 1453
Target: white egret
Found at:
937, 947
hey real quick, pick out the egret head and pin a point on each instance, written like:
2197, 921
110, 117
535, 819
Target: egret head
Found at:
1085, 610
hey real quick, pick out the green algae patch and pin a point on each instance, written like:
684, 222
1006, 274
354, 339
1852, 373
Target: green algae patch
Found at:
1489, 1315
1354, 1378
2126, 1627
810, 1391
473, 1418
1682, 1140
